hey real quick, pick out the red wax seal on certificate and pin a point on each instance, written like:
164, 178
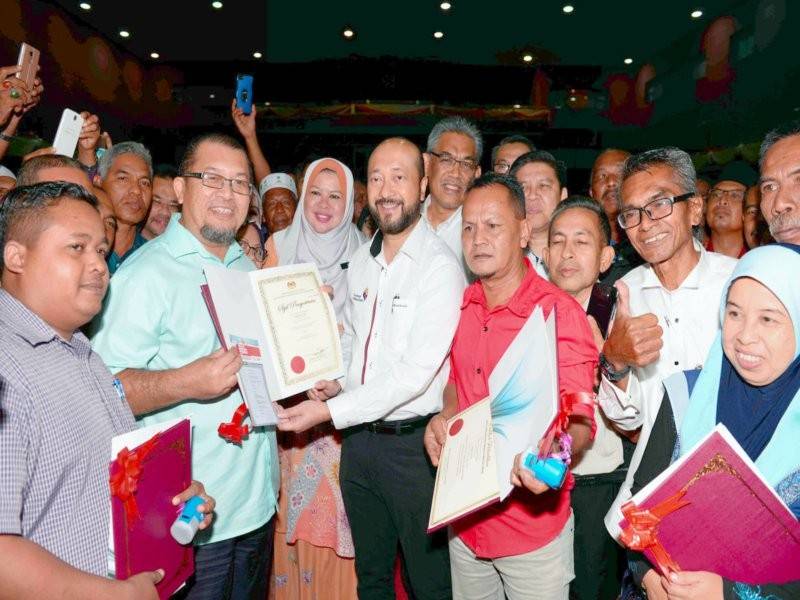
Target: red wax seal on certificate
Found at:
298, 364
456, 427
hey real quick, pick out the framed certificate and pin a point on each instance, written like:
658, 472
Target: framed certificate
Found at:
283, 324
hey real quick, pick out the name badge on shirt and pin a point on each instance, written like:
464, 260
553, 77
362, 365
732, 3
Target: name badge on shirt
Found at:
399, 303
360, 297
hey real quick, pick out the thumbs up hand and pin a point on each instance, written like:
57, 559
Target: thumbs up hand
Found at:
632, 341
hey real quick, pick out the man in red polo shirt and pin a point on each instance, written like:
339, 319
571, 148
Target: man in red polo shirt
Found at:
523, 546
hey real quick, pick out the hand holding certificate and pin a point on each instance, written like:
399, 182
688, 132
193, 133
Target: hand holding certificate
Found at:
284, 326
483, 440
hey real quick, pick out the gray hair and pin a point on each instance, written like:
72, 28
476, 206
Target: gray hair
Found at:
456, 125
775, 136
674, 158
117, 150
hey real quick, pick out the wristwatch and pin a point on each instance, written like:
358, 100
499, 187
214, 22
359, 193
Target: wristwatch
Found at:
610, 373
6, 138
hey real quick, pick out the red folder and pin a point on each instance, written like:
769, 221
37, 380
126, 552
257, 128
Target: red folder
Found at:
143, 482
712, 511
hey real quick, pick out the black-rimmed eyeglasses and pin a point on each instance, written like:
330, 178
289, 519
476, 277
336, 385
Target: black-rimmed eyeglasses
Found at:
659, 208
217, 181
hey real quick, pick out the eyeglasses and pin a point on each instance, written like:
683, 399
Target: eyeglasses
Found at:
655, 210
216, 181
501, 167
449, 161
256, 252
718, 194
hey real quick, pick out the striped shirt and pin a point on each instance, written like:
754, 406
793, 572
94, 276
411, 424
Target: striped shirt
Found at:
58, 413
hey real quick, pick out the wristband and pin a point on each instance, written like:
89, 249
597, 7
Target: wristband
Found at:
610, 373
6, 138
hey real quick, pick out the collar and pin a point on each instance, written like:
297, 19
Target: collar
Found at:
29, 326
181, 242
521, 303
693, 279
710, 248
444, 224
412, 247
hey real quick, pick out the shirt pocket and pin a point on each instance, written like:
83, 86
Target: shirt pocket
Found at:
399, 321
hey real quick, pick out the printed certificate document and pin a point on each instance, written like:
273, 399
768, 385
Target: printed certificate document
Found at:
483, 440
284, 326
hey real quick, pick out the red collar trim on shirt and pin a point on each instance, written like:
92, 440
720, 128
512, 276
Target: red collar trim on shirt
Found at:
521, 303
710, 248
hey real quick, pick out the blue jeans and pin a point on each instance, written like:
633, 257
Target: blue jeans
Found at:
235, 569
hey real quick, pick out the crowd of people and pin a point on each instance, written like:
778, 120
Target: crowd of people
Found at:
433, 267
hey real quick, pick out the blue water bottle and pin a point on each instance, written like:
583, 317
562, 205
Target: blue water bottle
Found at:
551, 471
187, 523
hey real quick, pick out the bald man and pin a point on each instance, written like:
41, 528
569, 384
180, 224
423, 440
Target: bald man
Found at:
403, 307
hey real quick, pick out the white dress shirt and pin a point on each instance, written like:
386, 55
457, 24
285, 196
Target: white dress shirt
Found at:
689, 316
399, 320
449, 230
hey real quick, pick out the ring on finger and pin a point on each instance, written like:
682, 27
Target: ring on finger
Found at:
14, 93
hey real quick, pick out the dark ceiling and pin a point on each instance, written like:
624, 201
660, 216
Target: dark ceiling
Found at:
597, 32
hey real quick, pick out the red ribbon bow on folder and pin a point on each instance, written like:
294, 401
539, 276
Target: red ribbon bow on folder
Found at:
641, 532
125, 478
235, 432
573, 403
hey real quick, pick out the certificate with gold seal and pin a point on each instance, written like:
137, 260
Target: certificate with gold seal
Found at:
287, 323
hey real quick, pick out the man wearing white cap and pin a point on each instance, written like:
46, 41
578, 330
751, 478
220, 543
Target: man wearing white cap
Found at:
279, 201
8, 181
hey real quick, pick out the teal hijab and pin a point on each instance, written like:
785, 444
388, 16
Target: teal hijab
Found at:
777, 267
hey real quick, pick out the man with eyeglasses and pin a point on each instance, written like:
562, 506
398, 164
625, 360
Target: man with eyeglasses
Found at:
508, 150
452, 162
724, 210
667, 310
164, 204
156, 334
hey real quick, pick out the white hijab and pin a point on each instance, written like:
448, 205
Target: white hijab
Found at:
299, 243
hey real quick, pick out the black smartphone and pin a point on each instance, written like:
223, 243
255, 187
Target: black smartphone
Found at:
601, 305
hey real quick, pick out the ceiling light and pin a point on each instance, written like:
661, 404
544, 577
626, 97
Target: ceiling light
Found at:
445, 6
85, 6
348, 33
154, 55
568, 8
256, 54
267, 104
527, 58
216, 4
124, 33
517, 106
628, 61
212, 96
438, 35
696, 14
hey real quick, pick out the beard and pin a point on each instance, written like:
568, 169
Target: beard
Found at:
221, 237
408, 216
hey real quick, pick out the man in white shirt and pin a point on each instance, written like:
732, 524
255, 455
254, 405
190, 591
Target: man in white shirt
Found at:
668, 309
452, 162
780, 192
544, 181
405, 295
578, 250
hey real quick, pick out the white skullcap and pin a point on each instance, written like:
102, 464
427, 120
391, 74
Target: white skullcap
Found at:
277, 180
6, 172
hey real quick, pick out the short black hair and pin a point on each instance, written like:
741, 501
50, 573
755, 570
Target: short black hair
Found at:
22, 212
165, 171
541, 156
29, 171
512, 139
590, 205
776, 135
213, 138
512, 186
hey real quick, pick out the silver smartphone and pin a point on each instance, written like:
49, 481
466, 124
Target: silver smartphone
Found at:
69, 130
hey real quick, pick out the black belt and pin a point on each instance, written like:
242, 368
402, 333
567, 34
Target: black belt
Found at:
398, 427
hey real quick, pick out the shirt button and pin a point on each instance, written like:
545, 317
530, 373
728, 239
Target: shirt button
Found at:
485, 328
676, 363
677, 320
478, 370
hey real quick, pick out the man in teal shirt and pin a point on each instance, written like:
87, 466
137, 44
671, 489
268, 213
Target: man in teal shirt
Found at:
156, 333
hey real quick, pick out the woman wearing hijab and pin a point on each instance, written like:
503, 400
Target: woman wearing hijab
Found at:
313, 546
751, 384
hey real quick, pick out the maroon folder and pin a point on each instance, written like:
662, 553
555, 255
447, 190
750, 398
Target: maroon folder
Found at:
712, 511
143, 482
